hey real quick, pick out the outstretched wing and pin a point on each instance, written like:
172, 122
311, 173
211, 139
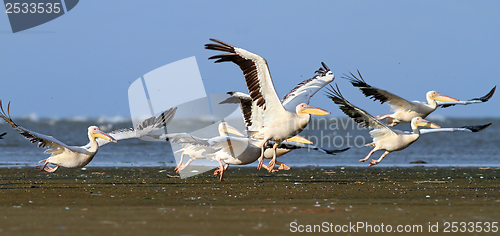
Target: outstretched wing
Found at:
303, 92
359, 115
144, 128
252, 114
257, 76
53, 145
474, 128
294, 145
482, 99
1, 135
396, 102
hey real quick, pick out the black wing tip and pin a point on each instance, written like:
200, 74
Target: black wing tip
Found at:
1, 135
487, 97
333, 152
477, 128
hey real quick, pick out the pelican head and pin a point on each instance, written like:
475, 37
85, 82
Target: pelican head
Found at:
418, 121
94, 132
439, 97
304, 108
225, 128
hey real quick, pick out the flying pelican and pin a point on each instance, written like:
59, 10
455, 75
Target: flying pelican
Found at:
74, 156
385, 138
279, 124
230, 149
405, 110
1, 135
302, 93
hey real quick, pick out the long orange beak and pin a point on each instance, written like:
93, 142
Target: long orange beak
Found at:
105, 136
315, 111
425, 123
444, 98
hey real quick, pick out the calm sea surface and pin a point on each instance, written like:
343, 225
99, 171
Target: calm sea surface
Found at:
436, 149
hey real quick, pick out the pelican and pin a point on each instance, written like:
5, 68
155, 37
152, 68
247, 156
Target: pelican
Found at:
1, 135
405, 110
385, 138
75, 156
279, 124
302, 93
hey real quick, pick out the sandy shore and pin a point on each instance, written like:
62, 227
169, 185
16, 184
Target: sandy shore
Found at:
125, 201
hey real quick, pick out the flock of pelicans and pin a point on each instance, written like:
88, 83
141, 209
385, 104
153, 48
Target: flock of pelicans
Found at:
272, 124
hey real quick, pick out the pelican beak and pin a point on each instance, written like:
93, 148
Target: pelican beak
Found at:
314, 111
425, 123
231, 130
444, 98
299, 139
105, 136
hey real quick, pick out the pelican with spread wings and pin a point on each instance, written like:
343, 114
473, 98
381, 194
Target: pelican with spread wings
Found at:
278, 123
302, 93
385, 138
79, 156
405, 110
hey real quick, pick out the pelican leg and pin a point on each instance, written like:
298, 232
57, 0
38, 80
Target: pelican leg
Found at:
50, 169
181, 165
267, 168
40, 168
374, 162
273, 161
221, 168
185, 165
283, 166
382, 117
217, 171
261, 158
366, 158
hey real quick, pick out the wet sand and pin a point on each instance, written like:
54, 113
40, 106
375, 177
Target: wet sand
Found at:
126, 201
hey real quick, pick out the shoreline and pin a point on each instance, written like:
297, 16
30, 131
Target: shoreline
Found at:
248, 202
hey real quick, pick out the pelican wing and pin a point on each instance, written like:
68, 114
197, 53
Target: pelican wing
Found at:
1, 135
359, 115
294, 145
303, 92
256, 72
484, 98
144, 128
53, 145
474, 128
396, 102
185, 138
252, 114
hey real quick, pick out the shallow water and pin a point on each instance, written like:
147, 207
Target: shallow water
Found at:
435, 149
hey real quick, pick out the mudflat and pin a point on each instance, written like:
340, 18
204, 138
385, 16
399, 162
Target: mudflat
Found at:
129, 201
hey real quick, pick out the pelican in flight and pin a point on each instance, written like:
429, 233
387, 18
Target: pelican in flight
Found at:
302, 93
1, 135
405, 110
385, 138
279, 124
75, 156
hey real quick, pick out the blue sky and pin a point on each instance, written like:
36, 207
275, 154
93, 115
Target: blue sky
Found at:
82, 63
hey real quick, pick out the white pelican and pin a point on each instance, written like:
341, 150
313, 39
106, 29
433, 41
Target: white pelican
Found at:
302, 93
405, 110
74, 156
385, 138
1, 135
279, 124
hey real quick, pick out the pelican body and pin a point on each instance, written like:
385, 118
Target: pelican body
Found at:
404, 110
279, 123
62, 154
